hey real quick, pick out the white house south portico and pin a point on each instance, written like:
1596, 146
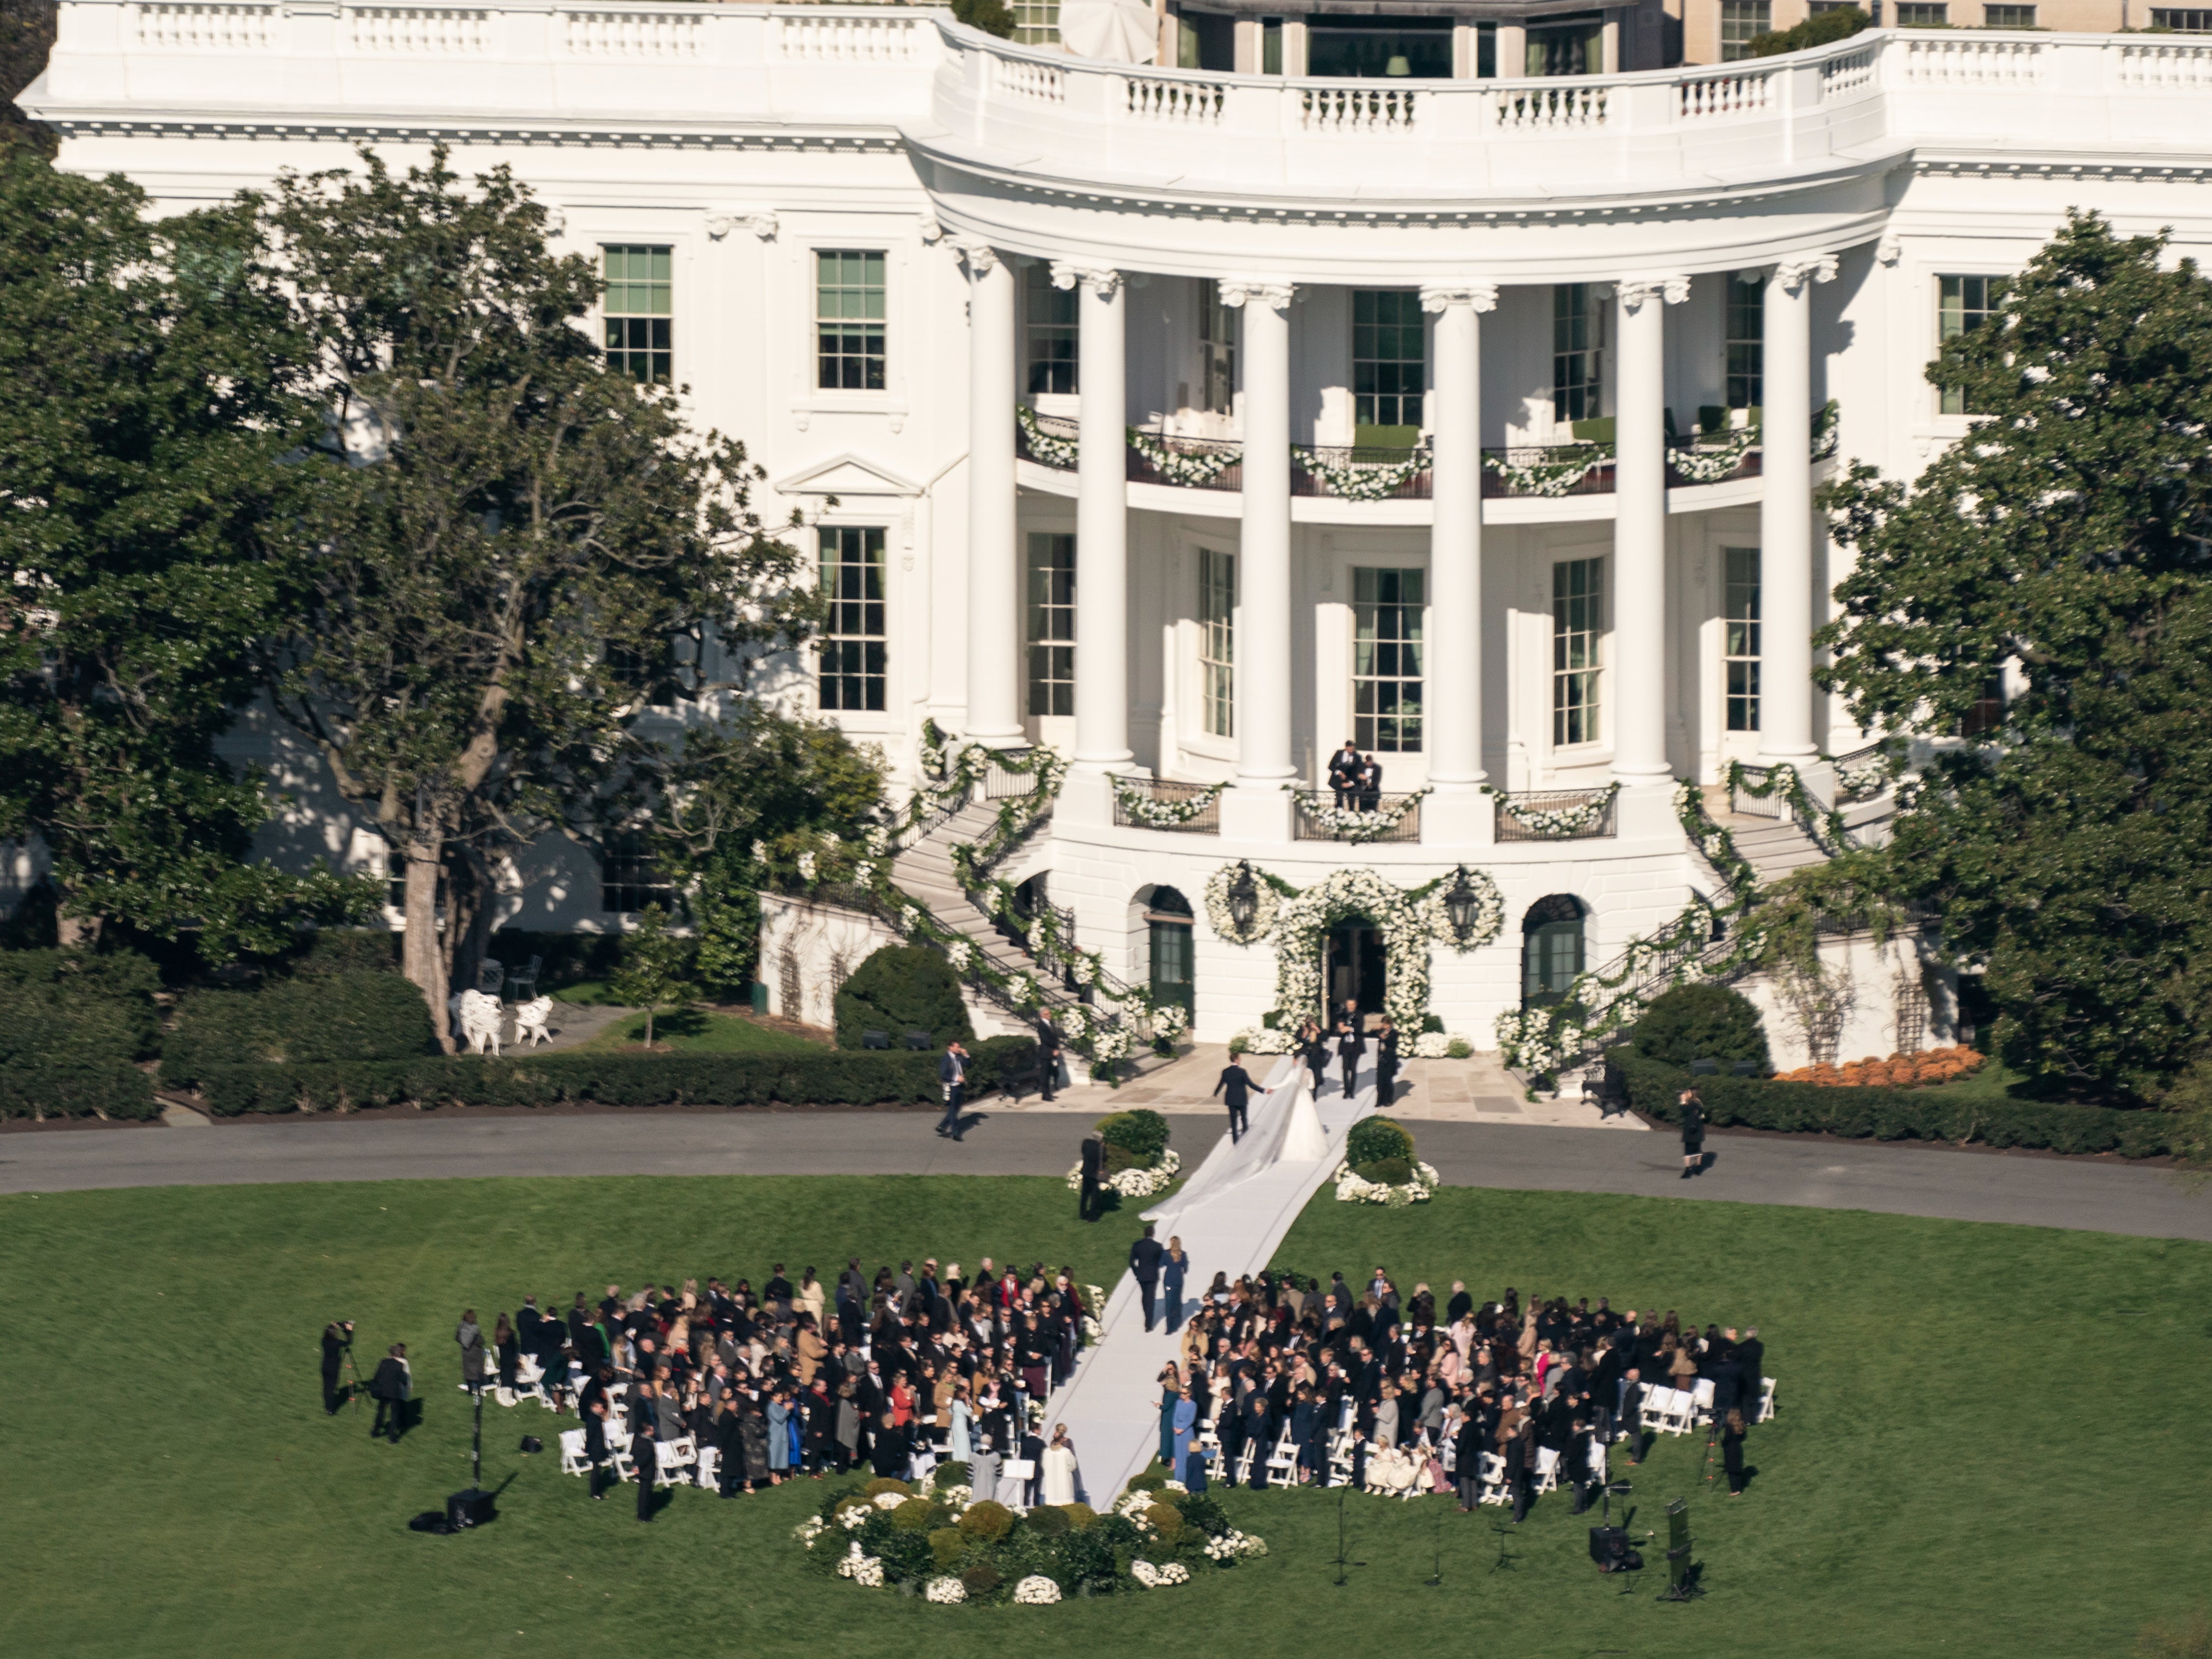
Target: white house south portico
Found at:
1190, 423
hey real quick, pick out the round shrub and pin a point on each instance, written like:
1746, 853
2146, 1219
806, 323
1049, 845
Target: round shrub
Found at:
915, 1515
1079, 1516
1373, 1138
1389, 1171
1701, 1022
980, 1579
1142, 1133
882, 1484
946, 1545
986, 1522
1165, 1521
1049, 1521
950, 1472
902, 988
1150, 1480
1200, 1509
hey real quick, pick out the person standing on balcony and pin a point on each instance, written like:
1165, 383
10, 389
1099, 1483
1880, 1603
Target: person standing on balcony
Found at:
1368, 777
1343, 766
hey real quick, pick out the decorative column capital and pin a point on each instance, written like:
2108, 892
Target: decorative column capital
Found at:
1439, 296
1795, 274
1633, 291
1275, 296
1102, 280
759, 221
981, 257
1890, 249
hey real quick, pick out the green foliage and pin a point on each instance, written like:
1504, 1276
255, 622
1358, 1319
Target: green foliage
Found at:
986, 1522
330, 951
113, 1089
1148, 1480
2066, 850
1142, 1133
1701, 1021
1081, 1516
1373, 1138
1936, 1114
915, 1515
952, 1472
992, 17
656, 967
899, 989
1820, 29
343, 1017
882, 1484
1166, 1520
1458, 1048
1203, 1511
68, 1009
981, 1579
947, 1546
1047, 1520
1389, 1171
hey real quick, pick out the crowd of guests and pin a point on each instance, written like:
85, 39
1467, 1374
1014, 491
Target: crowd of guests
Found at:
795, 1378
1449, 1386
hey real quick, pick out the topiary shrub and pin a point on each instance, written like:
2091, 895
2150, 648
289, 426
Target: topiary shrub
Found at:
947, 1546
1389, 1171
1048, 1520
986, 1522
1079, 1516
882, 1484
950, 1472
70, 1009
350, 1015
1373, 1138
915, 1515
981, 1579
1150, 1480
902, 988
1200, 1509
1166, 1520
1142, 1134
1701, 1022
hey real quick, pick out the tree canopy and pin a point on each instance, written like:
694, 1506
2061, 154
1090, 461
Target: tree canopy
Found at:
2058, 548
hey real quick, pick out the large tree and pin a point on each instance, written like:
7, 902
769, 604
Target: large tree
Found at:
151, 405
2060, 542
501, 568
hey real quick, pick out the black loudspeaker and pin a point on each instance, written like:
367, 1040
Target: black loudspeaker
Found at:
531, 1443
1609, 1547
469, 1508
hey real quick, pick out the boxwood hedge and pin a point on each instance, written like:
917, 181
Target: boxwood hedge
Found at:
110, 1090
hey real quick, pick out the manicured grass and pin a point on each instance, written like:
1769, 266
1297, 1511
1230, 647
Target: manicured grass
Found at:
1985, 1445
701, 1031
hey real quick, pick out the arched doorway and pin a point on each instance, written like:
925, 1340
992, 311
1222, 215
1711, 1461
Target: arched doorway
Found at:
1353, 966
1167, 923
1551, 949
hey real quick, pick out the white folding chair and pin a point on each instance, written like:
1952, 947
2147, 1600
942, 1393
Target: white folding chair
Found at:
1547, 1469
1283, 1460
505, 1396
1679, 1410
572, 1452
1597, 1459
1701, 1402
679, 1454
1652, 1414
618, 1444
1765, 1400
1490, 1480
702, 1473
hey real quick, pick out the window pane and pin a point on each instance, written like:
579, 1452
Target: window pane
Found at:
1740, 625
1387, 651
1036, 22
1389, 359
1051, 623
1578, 632
1746, 343
1963, 303
853, 628
849, 319
1740, 20
637, 307
1578, 352
1217, 345
1050, 324
1217, 641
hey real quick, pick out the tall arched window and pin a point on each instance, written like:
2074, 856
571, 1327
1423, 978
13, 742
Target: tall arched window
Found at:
1551, 949
1167, 919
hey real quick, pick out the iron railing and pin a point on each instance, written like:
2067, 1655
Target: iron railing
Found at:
1312, 824
1512, 826
1206, 821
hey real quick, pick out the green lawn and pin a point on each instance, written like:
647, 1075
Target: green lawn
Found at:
1987, 1442
701, 1031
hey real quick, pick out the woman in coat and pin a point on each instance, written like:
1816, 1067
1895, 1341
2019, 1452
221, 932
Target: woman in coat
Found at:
960, 1436
1694, 1133
848, 1428
1732, 1453
1171, 1391
508, 1348
752, 1437
470, 1335
1060, 1468
1182, 1433
779, 1437
1173, 1269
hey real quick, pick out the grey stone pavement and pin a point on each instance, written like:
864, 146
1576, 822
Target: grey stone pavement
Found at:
1893, 1179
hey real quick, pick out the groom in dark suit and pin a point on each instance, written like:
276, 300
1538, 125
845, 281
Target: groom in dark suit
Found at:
1239, 1082
1144, 1262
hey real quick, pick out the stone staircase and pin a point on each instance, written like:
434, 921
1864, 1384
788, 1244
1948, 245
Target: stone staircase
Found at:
924, 873
1774, 848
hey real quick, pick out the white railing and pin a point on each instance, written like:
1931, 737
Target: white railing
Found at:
1357, 108
1191, 103
1965, 60
418, 30
846, 38
636, 35
1041, 83
1847, 73
207, 28
2166, 66
1726, 95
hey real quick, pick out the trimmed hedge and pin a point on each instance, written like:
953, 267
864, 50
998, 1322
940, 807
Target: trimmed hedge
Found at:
70, 1010
1701, 1022
1880, 1114
76, 1091
352, 1014
828, 1078
902, 988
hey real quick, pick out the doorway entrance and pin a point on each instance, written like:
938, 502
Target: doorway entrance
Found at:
1352, 966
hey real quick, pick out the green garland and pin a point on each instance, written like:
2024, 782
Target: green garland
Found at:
1825, 824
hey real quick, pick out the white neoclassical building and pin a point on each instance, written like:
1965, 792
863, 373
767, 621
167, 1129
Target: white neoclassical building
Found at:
1195, 423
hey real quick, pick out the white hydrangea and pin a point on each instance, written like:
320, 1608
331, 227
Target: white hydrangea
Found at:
1034, 1591
956, 1497
1431, 1045
760, 851
1353, 1188
865, 1570
851, 1519
947, 1590
829, 838
806, 866
808, 1529
1233, 1546
891, 1500
863, 872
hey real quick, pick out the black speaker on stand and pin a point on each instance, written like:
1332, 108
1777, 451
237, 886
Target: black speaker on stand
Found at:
473, 1507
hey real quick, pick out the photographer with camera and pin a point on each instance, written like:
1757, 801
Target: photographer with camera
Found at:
338, 1346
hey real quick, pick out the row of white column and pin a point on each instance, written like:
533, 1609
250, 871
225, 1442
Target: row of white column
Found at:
1637, 688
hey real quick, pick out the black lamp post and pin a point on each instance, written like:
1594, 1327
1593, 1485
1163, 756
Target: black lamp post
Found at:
1243, 899
1461, 905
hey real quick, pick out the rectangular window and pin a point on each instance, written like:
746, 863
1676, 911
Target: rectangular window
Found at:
1741, 21
1578, 352
1271, 45
636, 306
1389, 366
1577, 637
1963, 303
2189, 22
1050, 322
1217, 640
1052, 623
629, 880
853, 633
1746, 342
1217, 345
1563, 45
1386, 659
2009, 17
849, 320
1919, 15
1740, 621
1036, 22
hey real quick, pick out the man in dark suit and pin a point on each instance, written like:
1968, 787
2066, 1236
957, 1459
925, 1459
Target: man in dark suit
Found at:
1750, 1368
645, 1444
1144, 1262
388, 1387
1091, 1164
1343, 766
1369, 778
1350, 1045
1048, 1045
1239, 1082
1386, 1064
952, 1073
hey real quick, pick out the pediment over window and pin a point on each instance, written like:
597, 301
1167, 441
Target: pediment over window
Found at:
847, 475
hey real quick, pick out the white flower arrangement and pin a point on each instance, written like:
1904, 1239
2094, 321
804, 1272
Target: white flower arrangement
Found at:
1133, 1183
1234, 1545
864, 873
1053, 452
1177, 466
961, 954
1355, 825
879, 840
1565, 823
1139, 803
1152, 1577
1711, 462
1094, 1297
1076, 1023
946, 1591
852, 1519
1550, 477
1355, 1189
1361, 481
810, 1529
1863, 782
1224, 922
806, 866
1135, 1506
1169, 1020
1036, 1591
1431, 1045
891, 1500
1265, 1041
954, 1497
864, 1570
760, 851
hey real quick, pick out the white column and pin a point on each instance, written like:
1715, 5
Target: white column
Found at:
994, 553
1263, 575
1102, 521
1638, 692
1453, 671
1785, 514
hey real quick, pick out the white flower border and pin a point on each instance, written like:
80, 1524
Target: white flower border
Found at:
1564, 821
1358, 1190
1361, 481
1057, 453
1136, 1183
1193, 472
1163, 814
1353, 824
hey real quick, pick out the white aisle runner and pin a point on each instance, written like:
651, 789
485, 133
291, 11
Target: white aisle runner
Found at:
1231, 1214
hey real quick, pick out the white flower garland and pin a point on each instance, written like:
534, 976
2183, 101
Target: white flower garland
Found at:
1036, 1591
1357, 1189
1361, 481
1548, 478
1177, 466
1434, 908
1354, 825
1139, 804
1855, 783
1716, 462
1056, 452
1564, 821
1136, 1183
1223, 921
